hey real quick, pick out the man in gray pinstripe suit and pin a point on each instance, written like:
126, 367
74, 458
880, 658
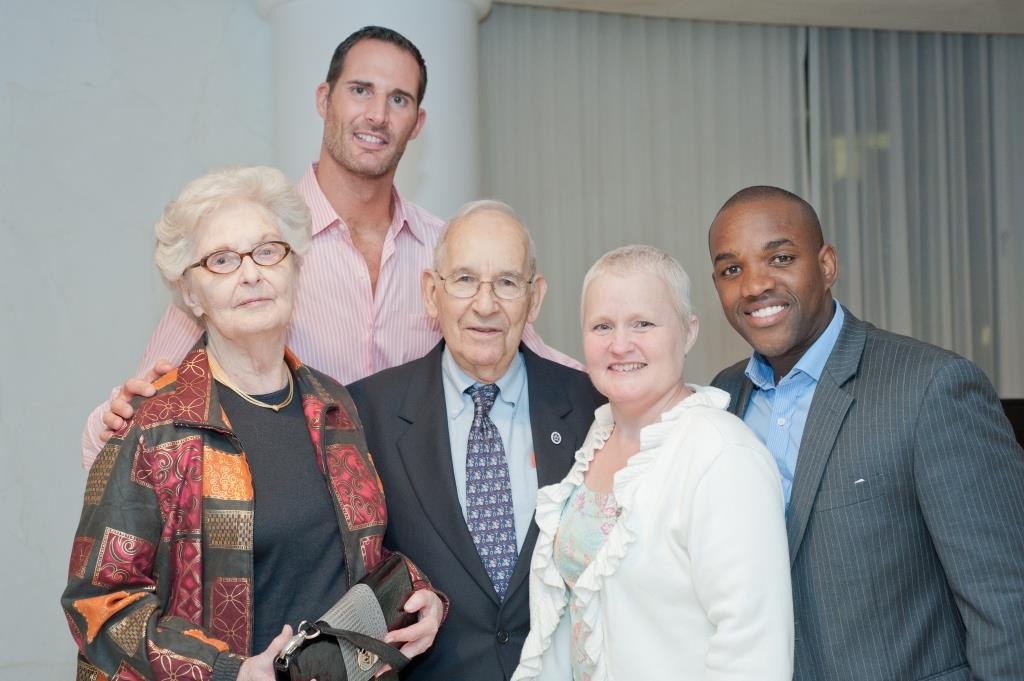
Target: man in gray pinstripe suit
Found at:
904, 485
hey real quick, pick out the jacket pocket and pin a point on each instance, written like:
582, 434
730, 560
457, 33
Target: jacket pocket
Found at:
850, 492
961, 673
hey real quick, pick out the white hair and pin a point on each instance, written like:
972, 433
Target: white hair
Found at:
263, 186
636, 259
480, 206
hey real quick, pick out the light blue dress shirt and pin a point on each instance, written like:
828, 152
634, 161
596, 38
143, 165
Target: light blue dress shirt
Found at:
777, 413
511, 415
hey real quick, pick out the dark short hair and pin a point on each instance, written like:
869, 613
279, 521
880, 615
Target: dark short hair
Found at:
386, 35
763, 192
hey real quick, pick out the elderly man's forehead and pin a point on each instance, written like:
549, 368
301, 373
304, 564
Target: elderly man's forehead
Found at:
484, 225
488, 217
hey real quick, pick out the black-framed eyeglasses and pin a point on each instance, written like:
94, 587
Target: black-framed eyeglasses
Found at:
265, 254
506, 287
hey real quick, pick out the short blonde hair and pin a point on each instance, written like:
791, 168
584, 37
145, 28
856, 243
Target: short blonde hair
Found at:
263, 186
636, 259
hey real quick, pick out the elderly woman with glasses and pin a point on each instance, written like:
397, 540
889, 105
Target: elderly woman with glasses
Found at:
662, 554
240, 497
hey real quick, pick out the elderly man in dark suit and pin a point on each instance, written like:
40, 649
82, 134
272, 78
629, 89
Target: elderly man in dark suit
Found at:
463, 437
903, 482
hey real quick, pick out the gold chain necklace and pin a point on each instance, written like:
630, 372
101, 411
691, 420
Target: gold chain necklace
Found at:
218, 373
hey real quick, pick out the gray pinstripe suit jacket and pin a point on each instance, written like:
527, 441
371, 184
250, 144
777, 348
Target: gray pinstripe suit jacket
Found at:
906, 524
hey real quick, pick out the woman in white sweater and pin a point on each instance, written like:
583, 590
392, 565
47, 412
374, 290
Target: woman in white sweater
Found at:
662, 554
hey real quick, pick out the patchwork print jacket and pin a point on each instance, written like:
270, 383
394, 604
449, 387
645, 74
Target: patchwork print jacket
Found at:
160, 580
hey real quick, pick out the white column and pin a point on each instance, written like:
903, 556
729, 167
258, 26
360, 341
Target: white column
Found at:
441, 168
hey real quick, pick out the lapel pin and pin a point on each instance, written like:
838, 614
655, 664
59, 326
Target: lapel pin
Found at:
556, 437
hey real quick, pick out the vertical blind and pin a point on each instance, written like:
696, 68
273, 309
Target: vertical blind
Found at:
603, 130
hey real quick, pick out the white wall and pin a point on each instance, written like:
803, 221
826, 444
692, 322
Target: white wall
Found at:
107, 108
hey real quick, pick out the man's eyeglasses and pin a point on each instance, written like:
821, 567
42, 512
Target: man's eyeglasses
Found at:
225, 262
507, 287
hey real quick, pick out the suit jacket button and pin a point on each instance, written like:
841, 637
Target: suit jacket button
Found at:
502, 636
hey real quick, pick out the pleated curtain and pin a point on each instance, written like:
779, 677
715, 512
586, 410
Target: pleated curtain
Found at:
604, 130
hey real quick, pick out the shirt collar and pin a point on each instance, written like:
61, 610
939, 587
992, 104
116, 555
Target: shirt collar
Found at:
811, 363
456, 382
401, 218
324, 215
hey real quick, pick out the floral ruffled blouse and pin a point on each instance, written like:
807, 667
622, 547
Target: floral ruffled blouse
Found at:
587, 520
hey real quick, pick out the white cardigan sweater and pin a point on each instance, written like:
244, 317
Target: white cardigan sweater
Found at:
693, 581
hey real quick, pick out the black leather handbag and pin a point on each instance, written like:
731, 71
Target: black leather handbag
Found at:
345, 643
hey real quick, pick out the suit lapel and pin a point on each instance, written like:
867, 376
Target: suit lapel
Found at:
824, 419
550, 407
425, 449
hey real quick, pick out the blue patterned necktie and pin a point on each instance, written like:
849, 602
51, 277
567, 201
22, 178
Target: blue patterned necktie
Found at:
489, 513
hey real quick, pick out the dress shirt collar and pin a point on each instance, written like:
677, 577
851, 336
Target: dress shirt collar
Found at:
456, 382
812, 363
324, 215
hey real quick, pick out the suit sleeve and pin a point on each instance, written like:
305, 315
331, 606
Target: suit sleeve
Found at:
365, 415
113, 602
969, 474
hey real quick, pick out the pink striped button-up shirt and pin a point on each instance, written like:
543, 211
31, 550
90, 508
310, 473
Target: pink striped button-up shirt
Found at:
339, 325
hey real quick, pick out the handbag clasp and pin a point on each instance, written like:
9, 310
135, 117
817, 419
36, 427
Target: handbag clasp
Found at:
305, 631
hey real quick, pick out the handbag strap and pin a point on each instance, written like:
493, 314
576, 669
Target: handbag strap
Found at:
385, 651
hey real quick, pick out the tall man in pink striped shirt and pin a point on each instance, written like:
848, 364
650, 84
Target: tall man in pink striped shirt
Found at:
359, 309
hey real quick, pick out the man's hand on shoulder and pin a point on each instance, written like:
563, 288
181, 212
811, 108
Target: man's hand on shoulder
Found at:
120, 411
